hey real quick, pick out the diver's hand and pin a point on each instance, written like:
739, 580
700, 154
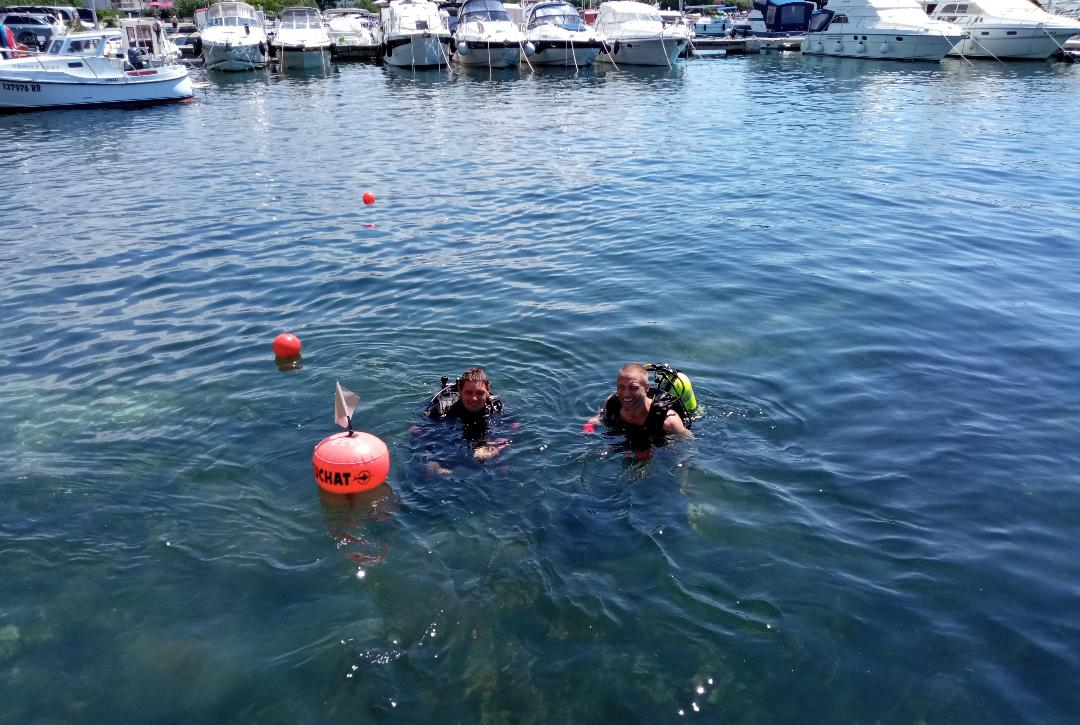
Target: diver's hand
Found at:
435, 469
486, 451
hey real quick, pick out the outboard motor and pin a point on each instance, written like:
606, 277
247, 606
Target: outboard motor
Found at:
137, 58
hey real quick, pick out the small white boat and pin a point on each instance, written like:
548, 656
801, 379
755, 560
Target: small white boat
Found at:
113, 66
234, 37
485, 36
559, 36
354, 33
711, 25
637, 35
879, 29
416, 34
302, 40
1005, 28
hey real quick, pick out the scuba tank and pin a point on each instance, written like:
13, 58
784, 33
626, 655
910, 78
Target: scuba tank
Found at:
446, 397
676, 384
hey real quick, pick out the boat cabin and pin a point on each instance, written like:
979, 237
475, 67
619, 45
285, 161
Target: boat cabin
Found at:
138, 42
779, 18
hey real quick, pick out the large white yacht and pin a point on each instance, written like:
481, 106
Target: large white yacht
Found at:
126, 65
415, 35
486, 36
302, 40
1005, 28
879, 29
636, 34
559, 36
234, 37
354, 33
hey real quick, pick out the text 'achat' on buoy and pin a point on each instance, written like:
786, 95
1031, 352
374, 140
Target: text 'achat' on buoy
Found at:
286, 345
350, 462
369, 198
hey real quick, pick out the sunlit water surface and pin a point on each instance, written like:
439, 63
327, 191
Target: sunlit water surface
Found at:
869, 270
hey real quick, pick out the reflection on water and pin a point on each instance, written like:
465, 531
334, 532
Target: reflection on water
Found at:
352, 522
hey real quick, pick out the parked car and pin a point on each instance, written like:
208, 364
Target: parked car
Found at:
86, 15
54, 15
30, 30
67, 14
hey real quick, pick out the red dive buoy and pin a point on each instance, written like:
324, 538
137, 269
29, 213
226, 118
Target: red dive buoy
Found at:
286, 345
350, 462
369, 198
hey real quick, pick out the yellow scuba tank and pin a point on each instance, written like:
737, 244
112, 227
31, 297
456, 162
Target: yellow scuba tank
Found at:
677, 384
684, 391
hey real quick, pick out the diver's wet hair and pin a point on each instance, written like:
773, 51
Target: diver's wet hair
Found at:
634, 370
473, 375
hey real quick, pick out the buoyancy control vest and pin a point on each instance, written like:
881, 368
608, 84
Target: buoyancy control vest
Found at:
662, 404
447, 403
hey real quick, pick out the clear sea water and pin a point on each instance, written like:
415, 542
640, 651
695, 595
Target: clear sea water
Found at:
869, 270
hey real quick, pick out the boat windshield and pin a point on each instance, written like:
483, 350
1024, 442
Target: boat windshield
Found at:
300, 19
475, 15
230, 14
301, 23
483, 10
76, 46
630, 17
564, 15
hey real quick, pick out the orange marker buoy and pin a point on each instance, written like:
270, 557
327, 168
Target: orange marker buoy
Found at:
350, 462
369, 198
286, 345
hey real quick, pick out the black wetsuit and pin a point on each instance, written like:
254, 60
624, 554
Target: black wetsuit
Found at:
651, 431
474, 425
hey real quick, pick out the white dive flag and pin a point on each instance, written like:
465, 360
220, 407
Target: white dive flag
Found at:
345, 402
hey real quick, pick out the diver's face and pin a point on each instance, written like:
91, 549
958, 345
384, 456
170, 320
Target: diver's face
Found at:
631, 391
473, 396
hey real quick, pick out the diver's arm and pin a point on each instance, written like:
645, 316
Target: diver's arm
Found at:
589, 426
673, 424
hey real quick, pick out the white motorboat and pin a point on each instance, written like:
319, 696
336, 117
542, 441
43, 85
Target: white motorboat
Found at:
416, 34
302, 40
879, 29
559, 36
1005, 28
354, 33
126, 66
716, 24
637, 35
486, 36
233, 37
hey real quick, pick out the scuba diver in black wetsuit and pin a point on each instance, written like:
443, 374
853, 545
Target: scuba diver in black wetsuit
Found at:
469, 400
643, 413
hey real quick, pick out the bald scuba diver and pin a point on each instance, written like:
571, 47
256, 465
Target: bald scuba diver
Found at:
643, 413
470, 401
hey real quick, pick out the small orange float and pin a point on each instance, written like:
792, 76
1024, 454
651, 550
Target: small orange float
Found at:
286, 345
